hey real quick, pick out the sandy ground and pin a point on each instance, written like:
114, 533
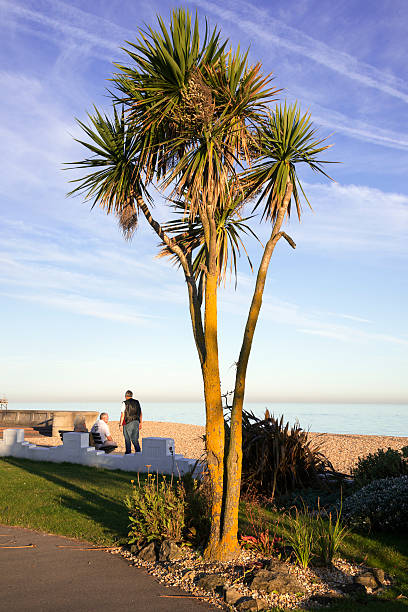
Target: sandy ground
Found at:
342, 450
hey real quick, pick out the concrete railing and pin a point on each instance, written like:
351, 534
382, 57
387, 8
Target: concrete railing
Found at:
158, 454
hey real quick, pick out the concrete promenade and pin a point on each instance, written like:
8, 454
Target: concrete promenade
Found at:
50, 578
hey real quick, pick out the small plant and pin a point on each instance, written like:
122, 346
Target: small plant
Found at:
260, 538
382, 505
301, 536
329, 534
156, 510
263, 543
382, 464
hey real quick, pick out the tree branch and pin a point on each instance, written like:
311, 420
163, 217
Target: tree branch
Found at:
288, 239
256, 303
185, 262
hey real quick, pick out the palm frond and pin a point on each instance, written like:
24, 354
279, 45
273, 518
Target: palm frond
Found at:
114, 179
286, 140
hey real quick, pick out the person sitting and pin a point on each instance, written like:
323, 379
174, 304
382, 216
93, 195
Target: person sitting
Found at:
101, 427
80, 424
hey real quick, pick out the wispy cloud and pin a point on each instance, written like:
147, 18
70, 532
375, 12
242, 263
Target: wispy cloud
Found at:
81, 305
346, 334
94, 33
73, 23
259, 24
306, 320
355, 128
92, 278
351, 219
351, 317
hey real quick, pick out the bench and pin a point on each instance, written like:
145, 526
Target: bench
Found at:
96, 438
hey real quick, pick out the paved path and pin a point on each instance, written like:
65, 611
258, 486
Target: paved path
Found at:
47, 578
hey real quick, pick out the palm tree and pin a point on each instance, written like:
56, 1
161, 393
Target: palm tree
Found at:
193, 119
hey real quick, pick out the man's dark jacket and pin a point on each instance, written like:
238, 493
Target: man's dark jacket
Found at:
132, 410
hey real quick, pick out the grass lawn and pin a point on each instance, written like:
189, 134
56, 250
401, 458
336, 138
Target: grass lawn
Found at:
66, 499
87, 503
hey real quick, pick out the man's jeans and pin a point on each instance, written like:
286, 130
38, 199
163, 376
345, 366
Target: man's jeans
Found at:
131, 433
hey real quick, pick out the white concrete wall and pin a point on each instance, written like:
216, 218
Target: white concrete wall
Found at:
158, 454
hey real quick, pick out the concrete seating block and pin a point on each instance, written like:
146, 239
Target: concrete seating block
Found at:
157, 447
13, 436
75, 440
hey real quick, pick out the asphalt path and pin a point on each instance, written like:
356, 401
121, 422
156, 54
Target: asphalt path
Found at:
40, 572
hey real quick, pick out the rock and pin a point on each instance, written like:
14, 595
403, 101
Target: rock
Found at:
246, 604
231, 596
278, 581
273, 565
189, 575
379, 575
367, 580
263, 604
354, 589
211, 582
169, 551
134, 549
327, 600
148, 553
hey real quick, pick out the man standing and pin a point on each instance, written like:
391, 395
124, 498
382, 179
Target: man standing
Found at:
131, 420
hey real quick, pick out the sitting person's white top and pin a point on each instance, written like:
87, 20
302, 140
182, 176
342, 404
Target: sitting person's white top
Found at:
101, 427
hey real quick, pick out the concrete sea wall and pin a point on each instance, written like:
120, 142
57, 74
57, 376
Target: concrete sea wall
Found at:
158, 454
56, 419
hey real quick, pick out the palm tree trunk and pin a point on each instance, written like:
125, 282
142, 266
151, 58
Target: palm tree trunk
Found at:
234, 460
214, 416
215, 434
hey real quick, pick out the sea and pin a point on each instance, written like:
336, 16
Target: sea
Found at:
373, 419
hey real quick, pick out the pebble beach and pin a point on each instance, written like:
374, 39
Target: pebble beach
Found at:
343, 450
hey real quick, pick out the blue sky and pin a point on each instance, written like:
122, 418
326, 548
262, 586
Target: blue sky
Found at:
85, 315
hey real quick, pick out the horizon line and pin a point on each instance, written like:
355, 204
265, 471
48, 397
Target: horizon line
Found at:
201, 401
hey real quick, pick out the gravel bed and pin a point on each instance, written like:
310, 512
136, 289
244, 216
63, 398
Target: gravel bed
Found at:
315, 582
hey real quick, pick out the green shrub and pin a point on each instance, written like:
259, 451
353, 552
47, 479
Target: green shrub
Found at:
382, 505
156, 511
382, 464
277, 458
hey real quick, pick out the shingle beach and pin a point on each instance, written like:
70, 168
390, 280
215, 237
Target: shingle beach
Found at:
342, 450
